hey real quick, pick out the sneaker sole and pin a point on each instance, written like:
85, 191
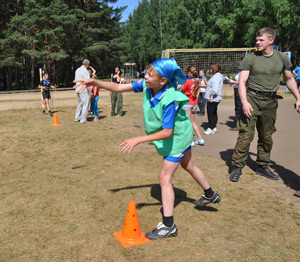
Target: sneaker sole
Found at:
262, 174
218, 200
212, 133
156, 238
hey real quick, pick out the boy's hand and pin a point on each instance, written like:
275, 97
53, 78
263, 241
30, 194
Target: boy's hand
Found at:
129, 144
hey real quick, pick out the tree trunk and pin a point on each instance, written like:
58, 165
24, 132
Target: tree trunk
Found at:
17, 81
8, 79
25, 78
32, 72
33, 63
2, 84
54, 77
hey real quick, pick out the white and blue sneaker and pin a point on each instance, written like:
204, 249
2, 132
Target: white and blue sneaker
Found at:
161, 231
200, 142
203, 201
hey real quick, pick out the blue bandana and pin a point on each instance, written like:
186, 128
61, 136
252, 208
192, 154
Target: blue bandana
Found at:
169, 69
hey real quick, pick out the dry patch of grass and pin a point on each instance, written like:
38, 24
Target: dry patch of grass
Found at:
64, 191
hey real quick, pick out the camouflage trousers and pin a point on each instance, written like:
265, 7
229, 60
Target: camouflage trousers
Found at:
117, 98
263, 118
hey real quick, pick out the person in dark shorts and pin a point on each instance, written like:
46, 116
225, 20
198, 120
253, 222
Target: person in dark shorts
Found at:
45, 85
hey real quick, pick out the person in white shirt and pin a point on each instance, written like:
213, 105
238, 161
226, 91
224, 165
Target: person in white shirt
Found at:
84, 96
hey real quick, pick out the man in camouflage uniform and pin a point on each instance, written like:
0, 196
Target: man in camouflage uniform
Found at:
258, 83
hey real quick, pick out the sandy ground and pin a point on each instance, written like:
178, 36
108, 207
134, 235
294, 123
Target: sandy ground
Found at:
285, 151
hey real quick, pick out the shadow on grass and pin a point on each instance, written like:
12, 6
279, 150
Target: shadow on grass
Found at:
227, 156
289, 178
102, 117
57, 111
204, 125
230, 123
76, 167
180, 196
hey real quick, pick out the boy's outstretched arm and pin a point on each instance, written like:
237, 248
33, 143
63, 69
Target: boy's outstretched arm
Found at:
114, 87
130, 143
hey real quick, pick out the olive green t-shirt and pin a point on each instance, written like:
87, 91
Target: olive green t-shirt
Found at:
265, 71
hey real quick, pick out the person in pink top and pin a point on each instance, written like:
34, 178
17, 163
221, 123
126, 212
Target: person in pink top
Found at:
190, 89
95, 100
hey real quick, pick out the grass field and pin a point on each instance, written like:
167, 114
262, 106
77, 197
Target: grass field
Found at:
65, 190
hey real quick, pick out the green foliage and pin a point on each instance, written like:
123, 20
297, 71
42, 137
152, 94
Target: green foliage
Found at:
209, 24
58, 35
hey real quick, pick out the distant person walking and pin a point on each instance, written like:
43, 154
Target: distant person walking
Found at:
296, 71
190, 88
213, 96
258, 83
45, 85
116, 98
237, 99
95, 100
201, 100
92, 73
84, 96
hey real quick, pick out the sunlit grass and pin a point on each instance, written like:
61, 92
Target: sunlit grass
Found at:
64, 191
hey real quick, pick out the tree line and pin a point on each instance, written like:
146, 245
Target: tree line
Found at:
156, 25
57, 35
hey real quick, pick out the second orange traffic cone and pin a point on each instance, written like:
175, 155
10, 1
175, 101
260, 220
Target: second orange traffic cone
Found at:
55, 120
131, 234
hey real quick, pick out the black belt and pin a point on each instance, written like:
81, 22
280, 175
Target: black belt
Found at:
264, 94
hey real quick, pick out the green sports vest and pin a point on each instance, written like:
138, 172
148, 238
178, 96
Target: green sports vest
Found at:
182, 136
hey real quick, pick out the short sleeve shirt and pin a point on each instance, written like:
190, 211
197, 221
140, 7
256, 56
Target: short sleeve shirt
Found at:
265, 71
188, 89
81, 73
169, 111
297, 71
47, 84
236, 78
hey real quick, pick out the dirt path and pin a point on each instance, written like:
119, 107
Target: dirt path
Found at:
285, 151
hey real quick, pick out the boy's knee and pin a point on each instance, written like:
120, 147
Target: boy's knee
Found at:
164, 179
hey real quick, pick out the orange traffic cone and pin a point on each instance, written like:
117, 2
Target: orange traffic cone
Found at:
55, 120
131, 234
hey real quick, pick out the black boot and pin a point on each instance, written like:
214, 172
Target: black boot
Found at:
235, 174
265, 171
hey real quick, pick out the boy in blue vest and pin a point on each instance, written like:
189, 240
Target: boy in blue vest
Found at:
168, 126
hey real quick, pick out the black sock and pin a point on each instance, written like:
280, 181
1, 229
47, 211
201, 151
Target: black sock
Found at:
209, 193
168, 221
